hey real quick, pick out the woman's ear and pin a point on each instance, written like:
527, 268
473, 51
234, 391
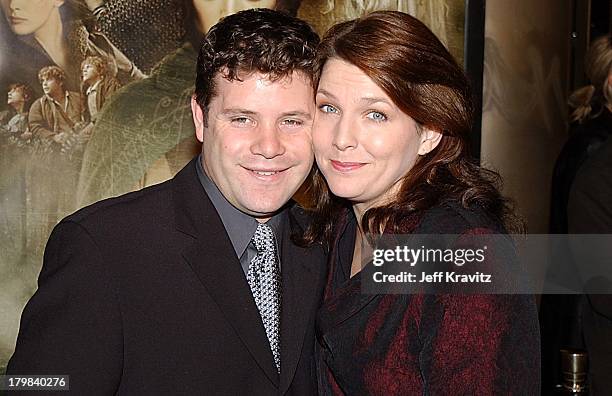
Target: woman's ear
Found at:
429, 141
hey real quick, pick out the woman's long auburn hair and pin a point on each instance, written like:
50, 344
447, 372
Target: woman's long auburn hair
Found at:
404, 58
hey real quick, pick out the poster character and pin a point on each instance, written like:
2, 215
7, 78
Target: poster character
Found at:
96, 87
56, 115
19, 98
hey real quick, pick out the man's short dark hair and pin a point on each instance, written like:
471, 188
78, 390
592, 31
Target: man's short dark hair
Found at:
257, 40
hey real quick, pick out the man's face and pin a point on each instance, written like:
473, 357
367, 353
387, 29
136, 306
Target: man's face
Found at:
89, 73
210, 11
51, 86
257, 145
15, 96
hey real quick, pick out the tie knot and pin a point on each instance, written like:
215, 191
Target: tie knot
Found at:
263, 239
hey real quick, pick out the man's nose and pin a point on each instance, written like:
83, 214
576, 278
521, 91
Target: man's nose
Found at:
268, 143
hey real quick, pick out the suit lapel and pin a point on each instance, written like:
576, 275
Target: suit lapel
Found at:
212, 258
300, 276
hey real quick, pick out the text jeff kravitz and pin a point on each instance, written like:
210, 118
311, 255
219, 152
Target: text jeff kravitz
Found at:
435, 277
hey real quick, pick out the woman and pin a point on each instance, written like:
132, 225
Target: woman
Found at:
390, 138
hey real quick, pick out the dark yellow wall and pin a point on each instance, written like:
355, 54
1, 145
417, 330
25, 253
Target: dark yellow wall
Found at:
524, 101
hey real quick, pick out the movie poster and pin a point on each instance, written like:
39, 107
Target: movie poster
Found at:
94, 102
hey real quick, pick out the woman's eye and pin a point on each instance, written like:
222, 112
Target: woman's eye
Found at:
376, 116
328, 108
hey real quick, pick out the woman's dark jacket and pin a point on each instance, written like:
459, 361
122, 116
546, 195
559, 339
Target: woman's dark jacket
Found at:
405, 344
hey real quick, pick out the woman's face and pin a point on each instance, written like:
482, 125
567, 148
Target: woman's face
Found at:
364, 144
28, 16
210, 11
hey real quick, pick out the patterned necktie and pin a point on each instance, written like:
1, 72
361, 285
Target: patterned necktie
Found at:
265, 281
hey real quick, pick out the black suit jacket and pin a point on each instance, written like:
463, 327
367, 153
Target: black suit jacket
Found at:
144, 294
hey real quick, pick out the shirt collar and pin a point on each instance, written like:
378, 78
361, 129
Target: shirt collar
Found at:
240, 227
66, 95
93, 88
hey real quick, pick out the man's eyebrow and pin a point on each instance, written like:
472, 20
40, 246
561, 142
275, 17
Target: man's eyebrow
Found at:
237, 111
298, 113
293, 113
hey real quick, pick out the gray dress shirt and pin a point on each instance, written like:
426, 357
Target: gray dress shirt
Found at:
240, 227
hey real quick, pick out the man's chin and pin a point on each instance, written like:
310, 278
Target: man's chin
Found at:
266, 209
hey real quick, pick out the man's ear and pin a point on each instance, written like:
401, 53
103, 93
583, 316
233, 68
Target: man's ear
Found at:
429, 140
198, 119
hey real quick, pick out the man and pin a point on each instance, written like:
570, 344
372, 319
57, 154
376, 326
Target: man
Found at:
18, 98
194, 286
54, 116
98, 85
55, 122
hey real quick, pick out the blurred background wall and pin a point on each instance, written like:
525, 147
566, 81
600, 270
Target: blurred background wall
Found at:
524, 121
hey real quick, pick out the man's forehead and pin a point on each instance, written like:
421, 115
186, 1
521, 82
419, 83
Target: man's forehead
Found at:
258, 93
262, 89
261, 79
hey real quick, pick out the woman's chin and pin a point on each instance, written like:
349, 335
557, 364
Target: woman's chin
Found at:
345, 192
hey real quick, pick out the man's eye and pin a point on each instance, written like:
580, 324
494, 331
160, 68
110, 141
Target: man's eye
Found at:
291, 122
240, 120
326, 108
376, 116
